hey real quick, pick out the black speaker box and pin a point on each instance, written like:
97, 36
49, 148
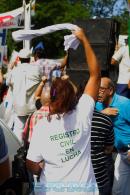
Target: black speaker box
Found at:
79, 76
100, 31
77, 58
102, 35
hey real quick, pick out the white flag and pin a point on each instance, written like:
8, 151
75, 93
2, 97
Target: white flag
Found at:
70, 41
11, 19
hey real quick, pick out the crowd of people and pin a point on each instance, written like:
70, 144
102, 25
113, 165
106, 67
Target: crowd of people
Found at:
78, 139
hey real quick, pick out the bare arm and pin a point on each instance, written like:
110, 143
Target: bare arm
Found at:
38, 91
110, 111
64, 62
129, 84
1, 77
92, 86
113, 61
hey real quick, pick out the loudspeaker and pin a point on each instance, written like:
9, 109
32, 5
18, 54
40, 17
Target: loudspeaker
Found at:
77, 60
102, 35
100, 31
78, 76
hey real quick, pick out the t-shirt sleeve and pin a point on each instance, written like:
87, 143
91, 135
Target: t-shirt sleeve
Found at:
85, 109
119, 54
3, 147
34, 152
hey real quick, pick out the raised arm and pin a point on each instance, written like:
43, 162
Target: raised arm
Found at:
64, 61
39, 89
92, 86
1, 77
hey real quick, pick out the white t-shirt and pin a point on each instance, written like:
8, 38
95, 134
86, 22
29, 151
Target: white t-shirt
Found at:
124, 66
64, 144
24, 80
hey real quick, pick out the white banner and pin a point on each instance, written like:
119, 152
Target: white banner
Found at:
11, 19
70, 41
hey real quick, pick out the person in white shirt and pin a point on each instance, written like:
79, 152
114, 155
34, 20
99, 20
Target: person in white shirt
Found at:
62, 140
23, 81
122, 57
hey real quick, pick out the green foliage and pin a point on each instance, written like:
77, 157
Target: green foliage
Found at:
9, 5
55, 12
49, 12
3, 6
123, 20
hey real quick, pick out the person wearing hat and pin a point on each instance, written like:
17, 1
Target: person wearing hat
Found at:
62, 140
24, 80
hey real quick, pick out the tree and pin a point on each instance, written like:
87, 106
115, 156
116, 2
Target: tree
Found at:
51, 12
123, 20
9, 5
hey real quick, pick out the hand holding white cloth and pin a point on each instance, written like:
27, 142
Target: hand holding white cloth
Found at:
70, 41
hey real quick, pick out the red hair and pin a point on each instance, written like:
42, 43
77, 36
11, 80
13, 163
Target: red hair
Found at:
62, 97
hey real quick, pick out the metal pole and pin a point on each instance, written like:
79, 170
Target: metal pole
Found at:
27, 22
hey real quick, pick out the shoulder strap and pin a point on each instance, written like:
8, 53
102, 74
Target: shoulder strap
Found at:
27, 133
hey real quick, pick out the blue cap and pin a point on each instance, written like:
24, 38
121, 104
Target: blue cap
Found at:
39, 46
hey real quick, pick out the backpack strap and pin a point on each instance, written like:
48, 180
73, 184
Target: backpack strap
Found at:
26, 144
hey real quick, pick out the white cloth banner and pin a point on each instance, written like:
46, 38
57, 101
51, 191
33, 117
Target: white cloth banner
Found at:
70, 41
11, 19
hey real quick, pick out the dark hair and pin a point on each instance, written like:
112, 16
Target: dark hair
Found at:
112, 86
25, 60
39, 53
62, 97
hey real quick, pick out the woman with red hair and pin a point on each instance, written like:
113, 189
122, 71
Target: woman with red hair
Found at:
62, 140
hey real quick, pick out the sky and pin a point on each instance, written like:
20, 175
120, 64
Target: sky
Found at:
120, 5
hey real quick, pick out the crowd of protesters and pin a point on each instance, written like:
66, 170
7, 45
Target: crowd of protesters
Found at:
78, 138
